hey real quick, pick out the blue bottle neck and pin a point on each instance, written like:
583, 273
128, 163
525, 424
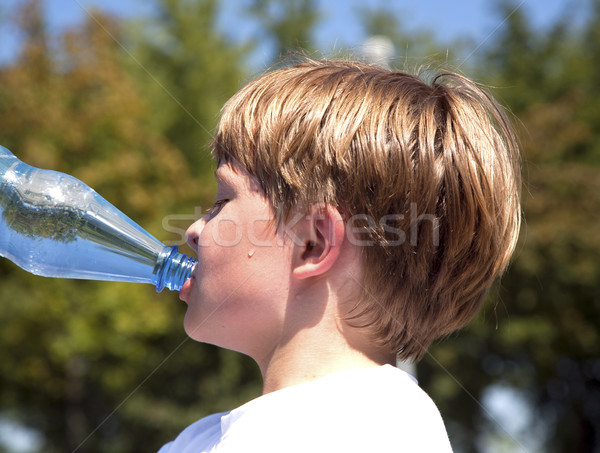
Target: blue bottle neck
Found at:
173, 269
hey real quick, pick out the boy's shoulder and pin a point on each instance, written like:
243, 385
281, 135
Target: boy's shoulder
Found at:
197, 436
372, 409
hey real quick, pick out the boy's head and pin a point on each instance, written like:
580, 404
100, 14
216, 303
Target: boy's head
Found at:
426, 175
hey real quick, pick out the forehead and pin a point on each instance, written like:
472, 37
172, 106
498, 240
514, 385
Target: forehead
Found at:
232, 174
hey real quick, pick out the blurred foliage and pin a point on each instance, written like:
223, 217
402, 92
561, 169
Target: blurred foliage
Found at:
412, 49
287, 24
86, 363
129, 108
187, 70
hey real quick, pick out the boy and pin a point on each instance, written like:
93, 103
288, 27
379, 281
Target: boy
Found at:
361, 214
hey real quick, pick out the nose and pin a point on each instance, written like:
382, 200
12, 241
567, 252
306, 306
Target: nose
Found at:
192, 235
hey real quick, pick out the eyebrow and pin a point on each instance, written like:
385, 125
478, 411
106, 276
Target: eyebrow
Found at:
225, 174
221, 177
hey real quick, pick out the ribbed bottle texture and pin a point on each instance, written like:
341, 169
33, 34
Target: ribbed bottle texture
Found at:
174, 270
54, 225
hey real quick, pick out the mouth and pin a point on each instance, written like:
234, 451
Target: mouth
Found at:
184, 293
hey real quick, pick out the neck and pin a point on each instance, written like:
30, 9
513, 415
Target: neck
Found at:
310, 356
314, 340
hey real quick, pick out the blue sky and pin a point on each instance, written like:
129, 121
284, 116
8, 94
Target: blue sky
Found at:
473, 21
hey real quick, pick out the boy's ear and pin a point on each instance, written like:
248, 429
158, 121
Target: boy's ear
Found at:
321, 240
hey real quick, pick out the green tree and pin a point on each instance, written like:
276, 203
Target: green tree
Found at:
103, 366
188, 69
412, 49
288, 24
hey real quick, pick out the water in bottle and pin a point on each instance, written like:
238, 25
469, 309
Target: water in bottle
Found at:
53, 225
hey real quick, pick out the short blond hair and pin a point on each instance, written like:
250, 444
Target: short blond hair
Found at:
437, 162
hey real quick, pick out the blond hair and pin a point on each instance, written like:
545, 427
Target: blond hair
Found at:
436, 162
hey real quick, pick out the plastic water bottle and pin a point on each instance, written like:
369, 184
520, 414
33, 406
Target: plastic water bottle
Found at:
54, 225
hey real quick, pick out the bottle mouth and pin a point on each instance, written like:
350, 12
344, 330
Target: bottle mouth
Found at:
174, 270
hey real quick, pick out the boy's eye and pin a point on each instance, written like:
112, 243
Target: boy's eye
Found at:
216, 207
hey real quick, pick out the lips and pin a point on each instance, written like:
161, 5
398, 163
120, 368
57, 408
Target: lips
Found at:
186, 288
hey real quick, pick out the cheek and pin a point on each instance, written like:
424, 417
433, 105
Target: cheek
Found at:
261, 234
222, 232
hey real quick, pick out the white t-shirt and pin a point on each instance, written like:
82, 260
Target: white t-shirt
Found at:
379, 409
